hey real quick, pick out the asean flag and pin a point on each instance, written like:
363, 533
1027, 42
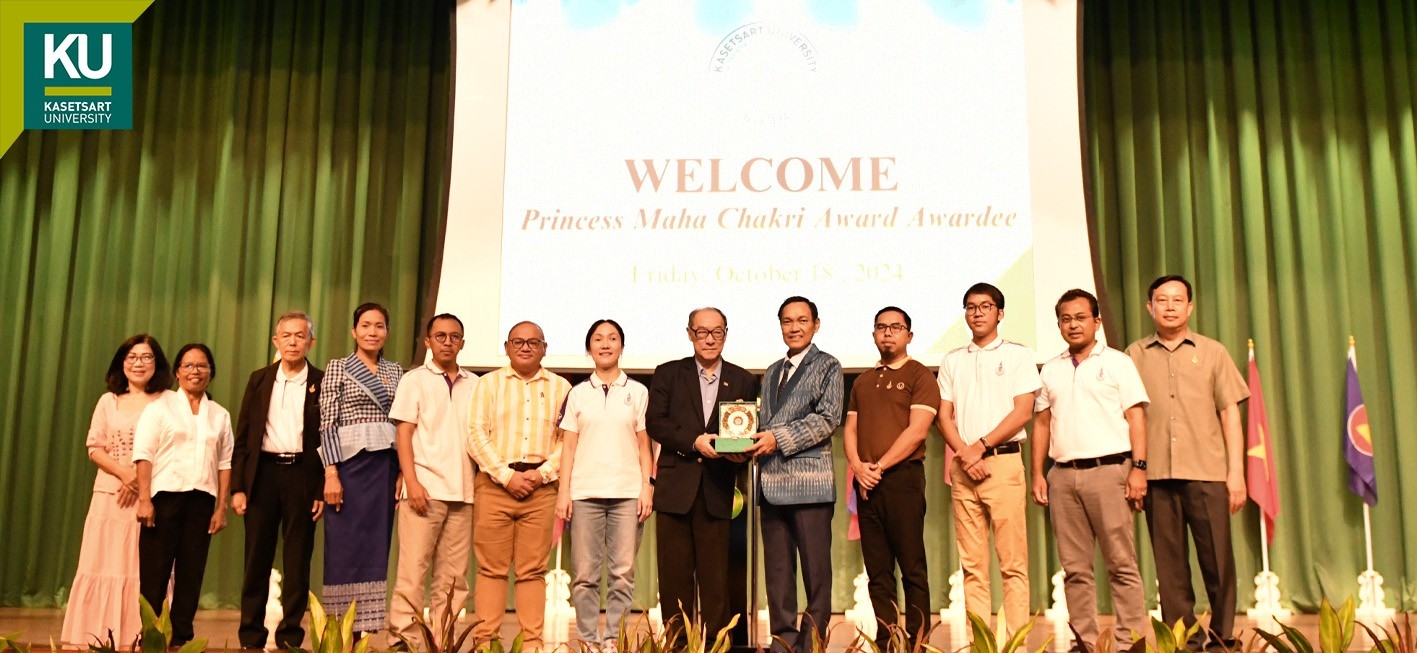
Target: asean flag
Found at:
1358, 439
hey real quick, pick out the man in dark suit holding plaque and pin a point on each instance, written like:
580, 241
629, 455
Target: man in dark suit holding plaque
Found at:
693, 490
277, 481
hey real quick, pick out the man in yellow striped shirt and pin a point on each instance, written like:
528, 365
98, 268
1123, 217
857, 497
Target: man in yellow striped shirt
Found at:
513, 439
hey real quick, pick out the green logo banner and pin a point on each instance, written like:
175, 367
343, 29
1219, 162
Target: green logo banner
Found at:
66, 64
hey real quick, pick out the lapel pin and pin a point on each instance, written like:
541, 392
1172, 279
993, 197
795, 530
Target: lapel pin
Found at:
311, 390
725, 384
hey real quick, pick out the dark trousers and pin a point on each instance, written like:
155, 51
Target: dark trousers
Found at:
175, 547
790, 532
277, 507
892, 523
694, 582
1204, 506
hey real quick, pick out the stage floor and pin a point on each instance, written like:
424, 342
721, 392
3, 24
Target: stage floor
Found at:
37, 626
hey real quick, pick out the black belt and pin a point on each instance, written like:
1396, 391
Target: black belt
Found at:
1089, 463
280, 458
524, 467
1007, 447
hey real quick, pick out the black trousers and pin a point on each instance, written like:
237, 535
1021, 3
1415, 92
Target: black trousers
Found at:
175, 547
693, 569
892, 524
790, 532
1172, 506
277, 507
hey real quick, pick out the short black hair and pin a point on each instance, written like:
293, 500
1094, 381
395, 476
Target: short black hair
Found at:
1161, 281
1077, 293
365, 308
707, 308
996, 295
596, 325
428, 330
894, 309
793, 300
197, 346
117, 381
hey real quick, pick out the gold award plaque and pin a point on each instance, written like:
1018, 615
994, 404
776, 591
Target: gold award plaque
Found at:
737, 423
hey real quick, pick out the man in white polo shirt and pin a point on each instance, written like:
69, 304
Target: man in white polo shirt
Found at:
435, 512
1091, 421
986, 397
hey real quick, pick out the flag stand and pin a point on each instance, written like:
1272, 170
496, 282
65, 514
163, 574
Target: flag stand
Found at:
1372, 610
559, 613
1267, 613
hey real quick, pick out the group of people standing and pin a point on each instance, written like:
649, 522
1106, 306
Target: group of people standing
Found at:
466, 466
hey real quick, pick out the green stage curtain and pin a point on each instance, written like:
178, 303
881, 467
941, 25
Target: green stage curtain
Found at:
285, 155
1265, 150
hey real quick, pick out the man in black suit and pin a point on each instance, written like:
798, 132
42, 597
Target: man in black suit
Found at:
693, 491
277, 481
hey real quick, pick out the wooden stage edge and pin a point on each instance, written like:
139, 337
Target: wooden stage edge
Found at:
37, 626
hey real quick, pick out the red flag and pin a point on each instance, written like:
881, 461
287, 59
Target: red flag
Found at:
1259, 465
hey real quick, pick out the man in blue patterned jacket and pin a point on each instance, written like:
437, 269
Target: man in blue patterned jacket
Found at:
801, 407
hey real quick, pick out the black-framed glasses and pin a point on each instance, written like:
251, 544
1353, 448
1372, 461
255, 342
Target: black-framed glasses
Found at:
534, 343
703, 334
134, 359
894, 327
979, 308
441, 338
1069, 319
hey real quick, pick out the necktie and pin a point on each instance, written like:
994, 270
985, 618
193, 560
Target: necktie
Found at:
782, 383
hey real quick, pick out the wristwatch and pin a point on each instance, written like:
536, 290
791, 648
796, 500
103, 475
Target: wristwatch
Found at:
1139, 463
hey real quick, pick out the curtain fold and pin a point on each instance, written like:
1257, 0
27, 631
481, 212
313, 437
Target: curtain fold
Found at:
286, 155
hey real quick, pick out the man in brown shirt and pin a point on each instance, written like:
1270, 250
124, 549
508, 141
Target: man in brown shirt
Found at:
1196, 474
887, 419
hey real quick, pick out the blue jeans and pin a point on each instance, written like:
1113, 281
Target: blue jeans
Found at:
604, 532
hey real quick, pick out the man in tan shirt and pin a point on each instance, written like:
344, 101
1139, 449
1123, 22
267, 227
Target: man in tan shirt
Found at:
1196, 473
513, 439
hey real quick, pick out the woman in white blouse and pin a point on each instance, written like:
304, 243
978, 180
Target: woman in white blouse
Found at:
605, 483
182, 450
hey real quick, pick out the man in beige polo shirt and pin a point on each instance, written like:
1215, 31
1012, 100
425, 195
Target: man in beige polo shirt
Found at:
430, 411
513, 439
1197, 471
987, 392
1091, 421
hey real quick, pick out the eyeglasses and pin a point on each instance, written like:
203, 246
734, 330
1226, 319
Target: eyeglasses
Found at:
454, 338
895, 328
703, 334
979, 308
195, 367
534, 343
134, 359
1069, 319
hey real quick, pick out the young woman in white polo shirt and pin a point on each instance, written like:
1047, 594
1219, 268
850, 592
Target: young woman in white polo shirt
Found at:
605, 483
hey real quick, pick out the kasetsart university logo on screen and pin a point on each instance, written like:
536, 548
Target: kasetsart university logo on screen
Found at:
78, 75
775, 48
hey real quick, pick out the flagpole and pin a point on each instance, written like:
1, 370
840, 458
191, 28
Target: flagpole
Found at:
1264, 545
1268, 612
1372, 608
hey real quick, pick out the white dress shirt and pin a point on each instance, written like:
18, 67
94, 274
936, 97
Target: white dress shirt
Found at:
285, 419
439, 414
186, 450
1088, 401
982, 382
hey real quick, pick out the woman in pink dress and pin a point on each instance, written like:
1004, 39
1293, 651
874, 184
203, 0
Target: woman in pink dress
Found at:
104, 595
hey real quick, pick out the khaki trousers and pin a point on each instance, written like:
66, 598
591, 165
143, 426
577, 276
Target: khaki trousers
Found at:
1088, 508
511, 536
995, 504
440, 540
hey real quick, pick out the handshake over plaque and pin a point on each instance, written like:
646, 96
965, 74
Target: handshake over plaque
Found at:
737, 423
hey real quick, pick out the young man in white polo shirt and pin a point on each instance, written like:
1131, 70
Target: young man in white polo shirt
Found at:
1091, 421
435, 511
986, 397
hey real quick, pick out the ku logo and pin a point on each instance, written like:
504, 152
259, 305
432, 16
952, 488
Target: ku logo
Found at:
78, 76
